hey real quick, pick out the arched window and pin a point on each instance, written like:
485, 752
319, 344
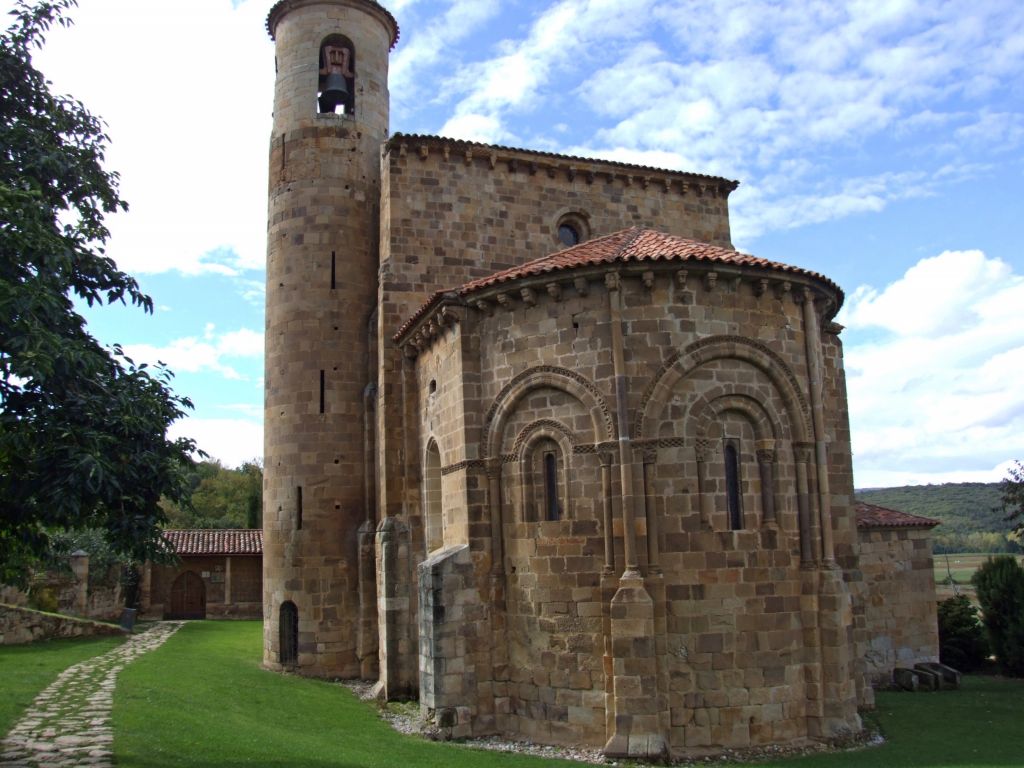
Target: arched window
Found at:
733, 494
545, 478
288, 629
432, 507
336, 84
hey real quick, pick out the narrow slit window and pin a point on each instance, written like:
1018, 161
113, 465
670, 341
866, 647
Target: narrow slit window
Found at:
321, 391
733, 497
334, 271
551, 506
298, 507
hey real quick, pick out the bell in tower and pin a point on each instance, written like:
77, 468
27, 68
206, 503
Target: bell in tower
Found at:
335, 78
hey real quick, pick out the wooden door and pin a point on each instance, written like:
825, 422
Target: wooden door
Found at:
188, 597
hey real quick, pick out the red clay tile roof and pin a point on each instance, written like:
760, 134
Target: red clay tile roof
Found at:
216, 541
725, 185
872, 516
276, 8
627, 246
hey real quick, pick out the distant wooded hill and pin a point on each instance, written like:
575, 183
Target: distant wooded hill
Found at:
971, 514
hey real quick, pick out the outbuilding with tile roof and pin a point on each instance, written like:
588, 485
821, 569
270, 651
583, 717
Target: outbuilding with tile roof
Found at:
217, 573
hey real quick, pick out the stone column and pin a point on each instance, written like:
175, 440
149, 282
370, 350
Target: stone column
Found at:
702, 448
802, 453
227, 584
606, 459
766, 470
80, 567
815, 374
653, 551
494, 465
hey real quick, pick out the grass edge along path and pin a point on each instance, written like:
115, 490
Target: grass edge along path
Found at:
26, 670
203, 700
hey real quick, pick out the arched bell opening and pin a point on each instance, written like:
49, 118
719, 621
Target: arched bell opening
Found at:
336, 85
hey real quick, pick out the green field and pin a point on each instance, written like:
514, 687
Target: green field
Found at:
961, 566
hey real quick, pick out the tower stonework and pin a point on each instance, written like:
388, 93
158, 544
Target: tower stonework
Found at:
323, 229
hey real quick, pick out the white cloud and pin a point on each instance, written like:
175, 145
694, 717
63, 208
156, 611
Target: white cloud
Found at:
188, 109
232, 441
192, 355
933, 362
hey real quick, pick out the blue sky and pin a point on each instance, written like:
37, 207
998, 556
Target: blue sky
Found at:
877, 142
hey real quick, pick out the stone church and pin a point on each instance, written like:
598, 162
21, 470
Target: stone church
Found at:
542, 449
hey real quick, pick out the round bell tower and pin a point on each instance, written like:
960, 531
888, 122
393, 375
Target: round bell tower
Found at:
330, 120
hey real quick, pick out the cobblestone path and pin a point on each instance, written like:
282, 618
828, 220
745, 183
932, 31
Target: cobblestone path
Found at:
68, 724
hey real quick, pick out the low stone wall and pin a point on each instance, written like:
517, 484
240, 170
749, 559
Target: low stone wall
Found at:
22, 625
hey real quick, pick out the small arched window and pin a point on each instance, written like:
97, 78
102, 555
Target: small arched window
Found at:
336, 83
288, 628
432, 507
733, 495
544, 475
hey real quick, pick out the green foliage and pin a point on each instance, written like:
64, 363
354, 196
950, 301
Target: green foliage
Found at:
1000, 590
1011, 491
82, 428
962, 643
221, 498
971, 514
43, 599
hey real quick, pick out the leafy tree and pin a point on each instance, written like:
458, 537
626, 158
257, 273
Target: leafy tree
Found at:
82, 428
962, 643
1012, 496
221, 498
999, 583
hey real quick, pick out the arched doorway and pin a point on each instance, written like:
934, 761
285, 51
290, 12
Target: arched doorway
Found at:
289, 633
188, 597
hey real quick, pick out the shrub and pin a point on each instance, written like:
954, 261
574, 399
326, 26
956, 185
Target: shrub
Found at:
962, 642
1000, 586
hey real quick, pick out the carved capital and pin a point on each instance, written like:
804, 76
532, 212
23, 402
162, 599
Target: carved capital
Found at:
703, 448
606, 457
766, 455
650, 456
803, 452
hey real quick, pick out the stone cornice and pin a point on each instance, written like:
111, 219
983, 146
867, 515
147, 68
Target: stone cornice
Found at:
532, 162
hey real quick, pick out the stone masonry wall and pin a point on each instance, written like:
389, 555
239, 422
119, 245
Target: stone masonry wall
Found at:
900, 608
746, 633
22, 625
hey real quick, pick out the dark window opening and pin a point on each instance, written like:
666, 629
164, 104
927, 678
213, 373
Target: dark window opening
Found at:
553, 510
334, 271
336, 83
298, 507
433, 386
321, 391
733, 496
568, 235
288, 629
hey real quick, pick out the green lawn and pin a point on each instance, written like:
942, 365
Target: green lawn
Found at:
25, 670
202, 700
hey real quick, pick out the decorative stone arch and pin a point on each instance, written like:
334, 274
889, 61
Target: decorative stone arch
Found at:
562, 379
710, 407
681, 364
531, 437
